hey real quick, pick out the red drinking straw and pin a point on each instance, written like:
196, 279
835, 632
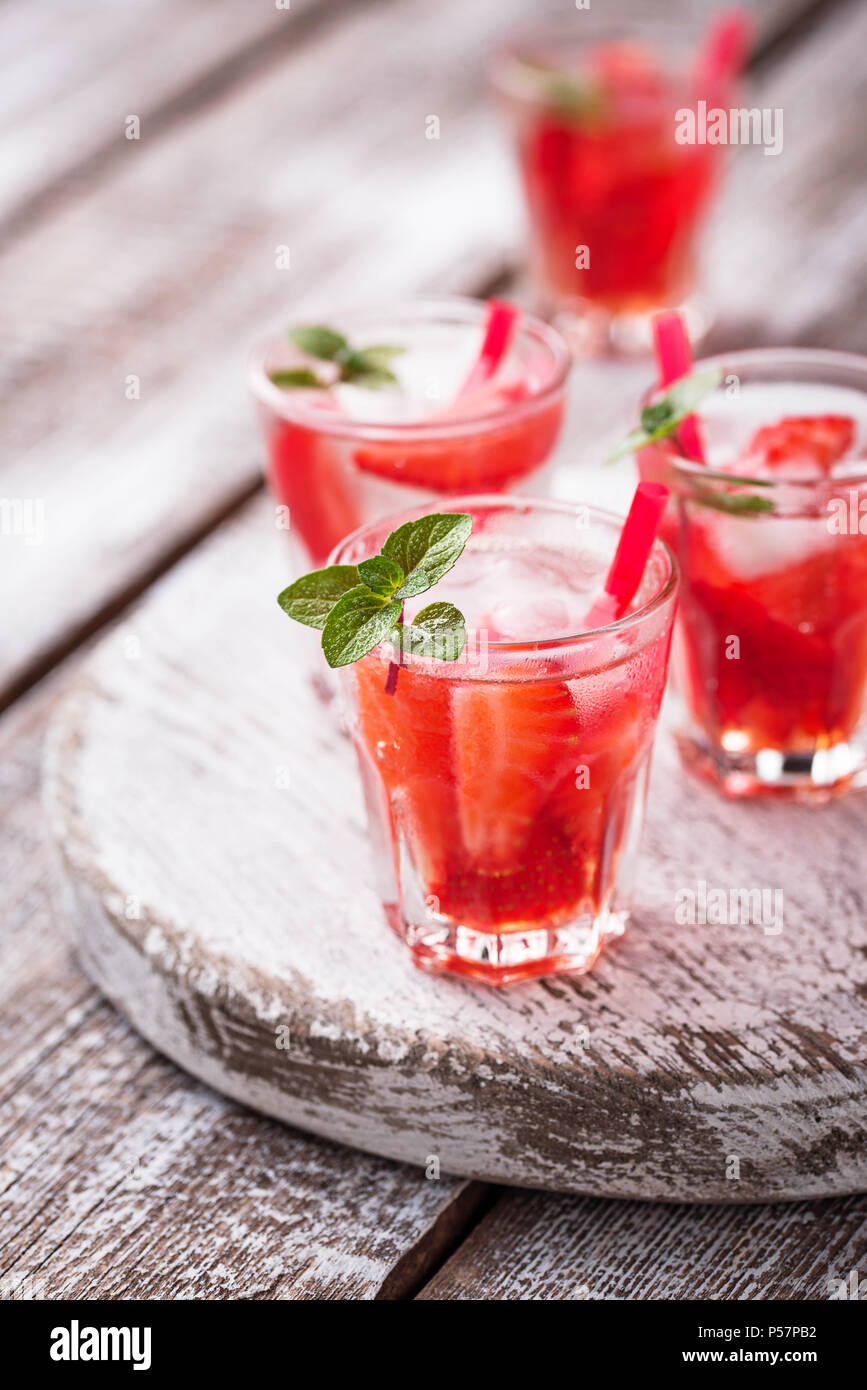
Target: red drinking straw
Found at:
723, 55
631, 556
502, 318
674, 360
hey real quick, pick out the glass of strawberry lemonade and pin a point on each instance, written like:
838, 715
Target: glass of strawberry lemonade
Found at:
770, 531
505, 790
615, 202
394, 408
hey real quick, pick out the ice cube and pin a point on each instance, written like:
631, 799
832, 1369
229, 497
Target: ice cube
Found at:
753, 546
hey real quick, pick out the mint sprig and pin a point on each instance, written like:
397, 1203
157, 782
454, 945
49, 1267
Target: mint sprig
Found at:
662, 418
575, 96
711, 490
735, 503
369, 367
357, 607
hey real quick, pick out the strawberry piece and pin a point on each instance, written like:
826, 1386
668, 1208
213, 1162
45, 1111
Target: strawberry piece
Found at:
513, 742
539, 838
800, 445
407, 739
485, 461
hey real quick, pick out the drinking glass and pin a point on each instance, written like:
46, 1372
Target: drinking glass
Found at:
505, 790
615, 203
336, 462
771, 648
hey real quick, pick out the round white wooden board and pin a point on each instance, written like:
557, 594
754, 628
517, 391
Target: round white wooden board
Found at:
211, 830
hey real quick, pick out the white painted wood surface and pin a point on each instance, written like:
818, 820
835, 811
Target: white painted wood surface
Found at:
543, 1248
82, 66
196, 780
121, 1177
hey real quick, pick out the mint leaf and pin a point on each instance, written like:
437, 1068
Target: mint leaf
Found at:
373, 380
652, 416
735, 478
735, 503
571, 96
662, 417
310, 599
427, 548
357, 623
381, 575
636, 439
297, 376
574, 96
377, 356
439, 630
680, 399
369, 366
318, 341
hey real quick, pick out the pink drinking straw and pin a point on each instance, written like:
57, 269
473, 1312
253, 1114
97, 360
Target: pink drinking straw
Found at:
631, 556
723, 54
499, 330
674, 360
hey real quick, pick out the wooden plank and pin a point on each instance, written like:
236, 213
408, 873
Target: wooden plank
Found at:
82, 67
172, 246
240, 837
168, 267
785, 261
122, 1178
534, 1247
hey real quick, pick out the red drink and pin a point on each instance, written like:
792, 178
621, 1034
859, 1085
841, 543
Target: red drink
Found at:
615, 203
506, 790
772, 646
341, 458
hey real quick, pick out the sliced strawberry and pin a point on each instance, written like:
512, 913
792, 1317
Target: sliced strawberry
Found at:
483, 461
513, 742
543, 793
407, 739
800, 445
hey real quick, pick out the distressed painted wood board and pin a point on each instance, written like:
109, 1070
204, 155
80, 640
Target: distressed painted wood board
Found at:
210, 824
82, 68
534, 1246
121, 1177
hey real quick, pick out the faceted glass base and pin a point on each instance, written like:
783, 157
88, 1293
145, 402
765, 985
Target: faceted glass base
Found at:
502, 958
593, 331
813, 778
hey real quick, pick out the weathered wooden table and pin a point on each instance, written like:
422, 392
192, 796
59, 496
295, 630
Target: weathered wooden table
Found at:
154, 259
